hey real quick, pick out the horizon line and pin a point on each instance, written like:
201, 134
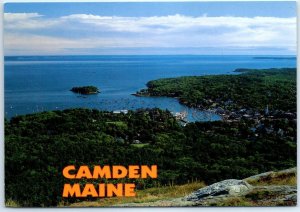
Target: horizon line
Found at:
49, 55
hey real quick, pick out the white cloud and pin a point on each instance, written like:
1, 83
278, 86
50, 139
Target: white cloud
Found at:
26, 32
176, 22
27, 21
36, 44
10, 17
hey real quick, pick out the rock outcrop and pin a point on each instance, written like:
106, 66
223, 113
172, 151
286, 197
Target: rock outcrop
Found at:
272, 175
227, 187
266, 189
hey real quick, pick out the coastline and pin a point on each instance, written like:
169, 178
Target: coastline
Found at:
221, 107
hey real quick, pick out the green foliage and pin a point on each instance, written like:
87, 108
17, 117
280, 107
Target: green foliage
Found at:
251, 89
39, 146
85, 90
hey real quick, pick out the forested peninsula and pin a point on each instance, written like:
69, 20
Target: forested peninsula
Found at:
38, 146
251, 94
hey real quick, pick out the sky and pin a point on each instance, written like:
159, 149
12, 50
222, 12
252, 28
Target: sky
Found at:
206, 28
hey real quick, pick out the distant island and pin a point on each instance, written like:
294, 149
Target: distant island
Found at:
86, 90
275, 58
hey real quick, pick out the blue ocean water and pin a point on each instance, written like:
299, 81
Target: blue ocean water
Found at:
39, 83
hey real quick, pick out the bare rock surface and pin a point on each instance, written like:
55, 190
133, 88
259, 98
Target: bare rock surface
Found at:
226, 187
234, 192
271, 174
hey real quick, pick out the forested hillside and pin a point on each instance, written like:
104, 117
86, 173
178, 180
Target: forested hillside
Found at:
261, 137
37, 147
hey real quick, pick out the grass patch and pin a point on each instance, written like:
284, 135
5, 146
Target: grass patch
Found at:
119, 124
11, 203
139, 145
276, 178
267, 198
147, 195
260, 195
233, 202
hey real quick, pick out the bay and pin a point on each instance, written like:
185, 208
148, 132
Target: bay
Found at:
41, 83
